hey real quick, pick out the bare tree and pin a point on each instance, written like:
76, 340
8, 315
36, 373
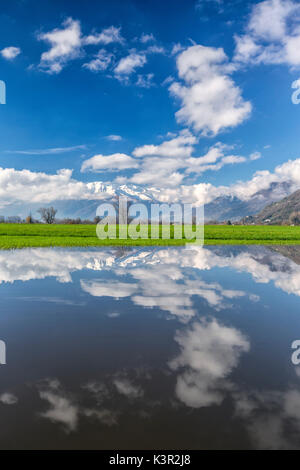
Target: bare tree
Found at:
47, 214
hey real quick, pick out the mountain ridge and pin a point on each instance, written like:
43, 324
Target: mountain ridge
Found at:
277, 212
220, 209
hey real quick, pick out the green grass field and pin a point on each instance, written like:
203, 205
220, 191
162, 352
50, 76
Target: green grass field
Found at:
21, 236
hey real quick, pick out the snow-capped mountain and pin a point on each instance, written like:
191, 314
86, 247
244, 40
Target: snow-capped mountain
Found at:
222, 208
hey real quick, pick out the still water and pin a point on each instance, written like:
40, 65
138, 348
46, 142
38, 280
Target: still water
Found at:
150, 348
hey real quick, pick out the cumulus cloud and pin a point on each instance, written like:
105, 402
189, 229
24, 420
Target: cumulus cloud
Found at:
107, 36
154, 286
156, 49
147, 38
127, 65
180, 146
125, 387
170, 163
210, 100
267, 415
61, 409
209, 353
145, 81
66, 411
8, 399
29, 186
288, 174
42, 263
10, 52
114, 162
173, 292
165, 175
176, 48
272, 34
114, 289
268, 18
65, 44
101, 61
255, 156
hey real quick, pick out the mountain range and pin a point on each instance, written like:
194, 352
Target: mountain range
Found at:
277, 212
222, 208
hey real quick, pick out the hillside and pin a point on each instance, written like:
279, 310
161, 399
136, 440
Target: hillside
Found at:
277, 212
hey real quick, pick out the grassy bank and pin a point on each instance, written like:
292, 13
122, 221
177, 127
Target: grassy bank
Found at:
22, 235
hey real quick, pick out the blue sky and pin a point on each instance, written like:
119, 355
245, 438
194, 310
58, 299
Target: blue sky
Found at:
189, 97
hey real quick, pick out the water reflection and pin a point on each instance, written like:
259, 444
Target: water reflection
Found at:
106, 346
264, 264
209, 352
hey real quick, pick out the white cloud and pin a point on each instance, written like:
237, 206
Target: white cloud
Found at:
115, 289
246, 48
156, 171
168, 164
160, 281
160, 277
145, 81
101, 61
268, 18
288, 173
272, 34
210, 100
8, 399
164, 174
176, 48
28, 186
40, 263
209, 353
114, 137
114, 162
147, 38
127, 388
255, 156
181, 146
107, 36
49, 151
65, 45
10, 53
214, 160
61, 409
130, 63
156, 50
66, 410
267, 414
